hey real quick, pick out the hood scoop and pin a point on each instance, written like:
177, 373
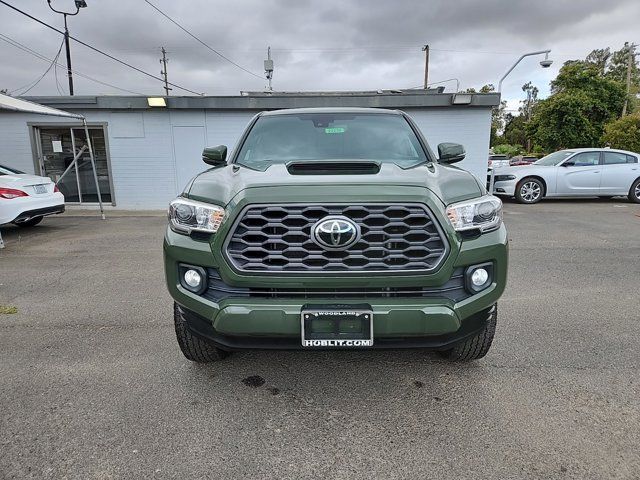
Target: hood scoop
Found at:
334, 167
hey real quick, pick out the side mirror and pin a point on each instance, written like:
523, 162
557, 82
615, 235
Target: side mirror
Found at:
215, 156
450, 152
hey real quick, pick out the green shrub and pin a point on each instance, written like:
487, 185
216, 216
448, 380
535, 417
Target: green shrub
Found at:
623, 133
508, 150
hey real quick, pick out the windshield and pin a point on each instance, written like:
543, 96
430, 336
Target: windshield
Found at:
326, 136
554, 158
8, 171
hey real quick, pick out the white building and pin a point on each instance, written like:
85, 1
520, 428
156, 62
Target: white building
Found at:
146, 154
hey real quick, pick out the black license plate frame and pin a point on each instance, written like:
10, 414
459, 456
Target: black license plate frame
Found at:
345, 326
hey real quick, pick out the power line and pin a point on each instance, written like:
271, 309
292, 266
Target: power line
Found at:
96, 49
201, 42
38, 55
55, 74
53, 62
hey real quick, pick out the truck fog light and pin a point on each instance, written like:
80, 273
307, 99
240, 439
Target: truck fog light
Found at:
479, 277
194, 280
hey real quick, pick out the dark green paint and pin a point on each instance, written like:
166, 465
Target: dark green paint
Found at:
433, 184
215, 156
450, 152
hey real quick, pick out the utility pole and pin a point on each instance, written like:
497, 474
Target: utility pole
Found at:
163, 72
630, 61
79, 4
268, 68
425, 49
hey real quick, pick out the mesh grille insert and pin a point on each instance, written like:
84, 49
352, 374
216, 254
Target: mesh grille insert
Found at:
278, 238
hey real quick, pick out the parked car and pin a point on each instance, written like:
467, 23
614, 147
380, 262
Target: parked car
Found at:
26, 199
580, 172
522, 160
498, 160
335, 228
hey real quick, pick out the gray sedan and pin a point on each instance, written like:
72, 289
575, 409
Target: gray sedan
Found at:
579, 172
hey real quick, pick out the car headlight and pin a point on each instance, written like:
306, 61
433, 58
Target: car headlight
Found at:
503, 178
186, 216
483, 213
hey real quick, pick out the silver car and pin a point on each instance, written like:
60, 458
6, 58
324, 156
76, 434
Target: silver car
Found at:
579, 172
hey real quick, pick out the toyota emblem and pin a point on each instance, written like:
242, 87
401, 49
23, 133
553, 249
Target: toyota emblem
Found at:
335, 232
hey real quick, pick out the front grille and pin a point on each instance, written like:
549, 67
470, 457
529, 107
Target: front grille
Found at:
453, 290
277, 238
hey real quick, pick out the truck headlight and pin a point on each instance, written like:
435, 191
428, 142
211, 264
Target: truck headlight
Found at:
483, 213
186, 216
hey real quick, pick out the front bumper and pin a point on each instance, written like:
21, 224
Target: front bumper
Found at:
236, 323
202, 327
507, 187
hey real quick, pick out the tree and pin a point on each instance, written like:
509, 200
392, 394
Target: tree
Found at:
526, 111
515, 130
528, 103
617, 66
582, 101
624, 133
600, 58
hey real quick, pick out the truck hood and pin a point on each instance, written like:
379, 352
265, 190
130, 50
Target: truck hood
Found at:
220, 185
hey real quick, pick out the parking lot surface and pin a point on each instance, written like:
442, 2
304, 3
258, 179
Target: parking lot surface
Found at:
93, 386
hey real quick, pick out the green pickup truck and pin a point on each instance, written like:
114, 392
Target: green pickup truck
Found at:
335, 229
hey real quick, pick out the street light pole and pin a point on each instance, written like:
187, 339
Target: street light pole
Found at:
79, 4
66, 45
546, 63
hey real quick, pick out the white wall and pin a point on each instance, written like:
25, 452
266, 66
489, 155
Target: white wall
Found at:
142, 144
469, 126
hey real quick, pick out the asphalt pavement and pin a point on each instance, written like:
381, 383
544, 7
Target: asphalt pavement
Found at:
93, 386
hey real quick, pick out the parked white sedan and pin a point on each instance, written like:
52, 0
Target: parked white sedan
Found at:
26, 199
579, 172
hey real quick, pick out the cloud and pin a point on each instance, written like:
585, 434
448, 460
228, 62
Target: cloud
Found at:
328, 45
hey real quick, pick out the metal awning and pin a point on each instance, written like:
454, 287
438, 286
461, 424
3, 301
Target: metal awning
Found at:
19, 105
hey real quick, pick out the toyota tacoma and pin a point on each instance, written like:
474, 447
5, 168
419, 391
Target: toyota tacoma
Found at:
335, 229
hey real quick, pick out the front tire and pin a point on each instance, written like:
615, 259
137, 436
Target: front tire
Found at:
530, 190
477, 346
30, 223
192, 347
634, 192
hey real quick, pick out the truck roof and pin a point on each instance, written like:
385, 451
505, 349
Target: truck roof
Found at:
298, 111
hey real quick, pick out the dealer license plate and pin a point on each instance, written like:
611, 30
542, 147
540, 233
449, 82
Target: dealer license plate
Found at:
337, 326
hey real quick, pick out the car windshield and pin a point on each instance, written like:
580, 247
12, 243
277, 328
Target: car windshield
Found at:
330, 136
8, 171
554, 158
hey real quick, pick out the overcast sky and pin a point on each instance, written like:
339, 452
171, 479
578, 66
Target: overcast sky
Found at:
316, 45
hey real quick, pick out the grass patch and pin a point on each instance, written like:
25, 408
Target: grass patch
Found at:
7, 310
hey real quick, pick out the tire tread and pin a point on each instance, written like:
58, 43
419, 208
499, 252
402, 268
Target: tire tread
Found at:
192, 347
477, 346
